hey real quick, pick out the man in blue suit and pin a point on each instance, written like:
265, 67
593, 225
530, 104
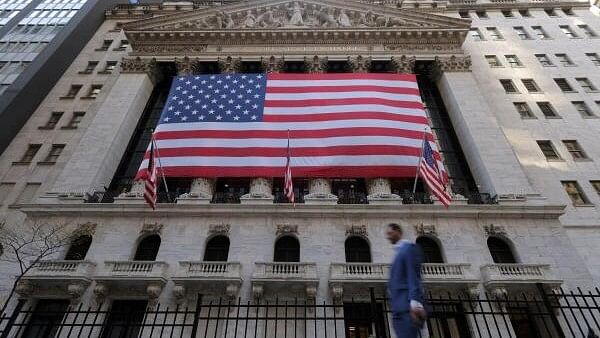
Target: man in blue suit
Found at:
405, 285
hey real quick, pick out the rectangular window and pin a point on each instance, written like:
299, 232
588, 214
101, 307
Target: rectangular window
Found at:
493, 61
596, 186
544, 60
28, 193
586, 84
587, 31
547, 109
125, 318
105, 45
522, 33
46, 318
531, 86
551, 12
594, 58
94, 91
91, 65
508, 13
540, 32
30, 153
72, 91
575, 150
494, 33
482, 14
548, 150
54, 153
524, 110
513, 61
53, 120
564, 85
525, 13
583, 109
568, 11
575, 193
509, 86
110, 66
476, 34
123, 45
568, 32
464, 14
564, 59
75, 120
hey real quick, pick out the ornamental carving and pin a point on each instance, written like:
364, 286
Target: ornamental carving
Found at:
229, 64
151, 228
272, 64
494, 230
357, 230
359, 64
316, 64
186, 66
85, 229
403, 64
453, 63
157, 49
423, 229
139, 65
219, 229
285, 229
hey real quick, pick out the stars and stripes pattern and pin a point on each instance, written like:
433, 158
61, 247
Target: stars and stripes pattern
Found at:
342, 125
149, 176
433, 177
288, 185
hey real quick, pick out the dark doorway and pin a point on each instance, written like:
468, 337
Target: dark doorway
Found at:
357, 250
523, 322
287, 249
359, 320
431, 250
79, 248
217, 249
500, 251
124, 319
447, 320
147, 249
46, 318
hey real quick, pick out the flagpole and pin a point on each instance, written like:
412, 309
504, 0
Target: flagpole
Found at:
160, 165
289, 164
419, 163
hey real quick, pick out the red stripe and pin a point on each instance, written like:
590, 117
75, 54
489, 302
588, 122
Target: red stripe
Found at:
337, 102
341, 89
296, 152
307, 172
345, 116
342, 76
297, 134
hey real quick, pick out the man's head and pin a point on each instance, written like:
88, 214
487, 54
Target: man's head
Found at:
393, 233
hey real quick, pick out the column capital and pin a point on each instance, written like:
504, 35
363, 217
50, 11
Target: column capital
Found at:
461, 63
316, 64
359, 64
138, 65
272, 64
186, 66
403, 64
230, 64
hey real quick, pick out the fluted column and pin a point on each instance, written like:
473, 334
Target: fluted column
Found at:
319, 189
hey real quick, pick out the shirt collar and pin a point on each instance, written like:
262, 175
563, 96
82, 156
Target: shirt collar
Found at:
400, 243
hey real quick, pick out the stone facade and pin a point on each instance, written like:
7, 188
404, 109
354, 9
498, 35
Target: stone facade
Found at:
500, 149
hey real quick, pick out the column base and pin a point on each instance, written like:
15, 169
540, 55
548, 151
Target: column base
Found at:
384, 199
321, 198
194, 199
257, 198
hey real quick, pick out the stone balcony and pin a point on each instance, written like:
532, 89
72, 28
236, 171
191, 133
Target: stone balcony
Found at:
498, 278
279, 276
358, 277
131, 278
57, 278
217, 277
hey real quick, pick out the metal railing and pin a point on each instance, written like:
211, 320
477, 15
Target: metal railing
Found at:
352, 197
221, 197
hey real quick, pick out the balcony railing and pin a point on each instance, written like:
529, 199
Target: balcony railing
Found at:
481, 198
517, 273
279, 197
226, 197
408, 197
136, 269
110, 195
285, 270
446, 271
57, 269
352, 198
359, 271
210, 270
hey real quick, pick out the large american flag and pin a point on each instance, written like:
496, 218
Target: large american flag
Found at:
341, 125
433, 177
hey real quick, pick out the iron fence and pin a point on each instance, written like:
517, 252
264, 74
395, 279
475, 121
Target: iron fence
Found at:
539, 313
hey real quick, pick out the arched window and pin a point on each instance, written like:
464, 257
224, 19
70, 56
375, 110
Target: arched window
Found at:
500, 251
287, 249
79, 248
147, 248
217, 249
357, 250
431, 250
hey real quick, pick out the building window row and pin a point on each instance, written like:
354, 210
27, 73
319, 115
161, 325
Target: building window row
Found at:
55, 117
572, 146
524, 13
123, 44
92, 93
547, 109
524, 34
108, 68
563, 84
22, 47
33, 149
576, 194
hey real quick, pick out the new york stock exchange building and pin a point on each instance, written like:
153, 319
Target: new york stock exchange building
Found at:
510, 90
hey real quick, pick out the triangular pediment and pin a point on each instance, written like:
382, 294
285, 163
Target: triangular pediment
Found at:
258, 15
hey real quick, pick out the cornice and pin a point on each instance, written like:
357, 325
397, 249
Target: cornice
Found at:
459, 5
300, 210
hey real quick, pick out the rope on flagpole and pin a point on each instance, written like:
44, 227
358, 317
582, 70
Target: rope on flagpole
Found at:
160, 164
419, 163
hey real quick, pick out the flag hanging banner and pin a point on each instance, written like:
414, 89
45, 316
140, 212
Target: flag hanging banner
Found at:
433, 177
288, 182
149, 177
342, 125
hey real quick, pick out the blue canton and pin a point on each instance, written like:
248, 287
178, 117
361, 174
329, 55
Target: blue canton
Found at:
216, 98
428, 155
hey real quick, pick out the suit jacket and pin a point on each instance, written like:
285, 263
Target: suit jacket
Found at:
405, 278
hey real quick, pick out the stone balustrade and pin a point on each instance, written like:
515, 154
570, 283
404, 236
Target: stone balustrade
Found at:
136, 269
59, 268
517, 273
285, 270
359, 271
57, 277
217, 277
210, 270
446, 271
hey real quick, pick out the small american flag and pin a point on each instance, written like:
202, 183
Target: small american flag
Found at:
432, 175
288, 187
149, 176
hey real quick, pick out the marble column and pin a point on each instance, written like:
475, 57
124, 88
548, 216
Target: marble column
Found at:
319, 189
498, 172
98, 154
